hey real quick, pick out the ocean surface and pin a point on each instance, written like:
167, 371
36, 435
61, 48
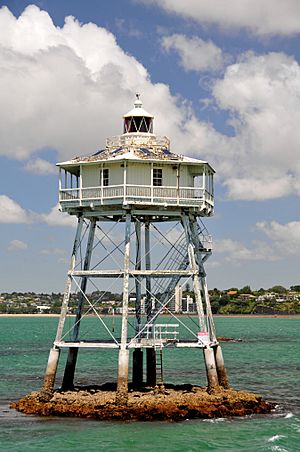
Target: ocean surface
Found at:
266, 361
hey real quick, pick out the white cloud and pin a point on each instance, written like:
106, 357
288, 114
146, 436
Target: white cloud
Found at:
40, 166
235, 251
285, 237
262, 17
281, 241
67, 87
195, 54
75, 108
251, 188
12, 212
17, 245
57, 218
262, 95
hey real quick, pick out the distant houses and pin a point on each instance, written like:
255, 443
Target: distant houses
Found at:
231, 301
43, 309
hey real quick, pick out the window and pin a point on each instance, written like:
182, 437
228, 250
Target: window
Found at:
143, 124
105, 177
157, 177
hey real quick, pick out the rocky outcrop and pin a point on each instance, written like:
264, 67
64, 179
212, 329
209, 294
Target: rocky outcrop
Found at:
170, 403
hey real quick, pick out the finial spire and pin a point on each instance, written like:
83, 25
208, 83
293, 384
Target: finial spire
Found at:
138, 103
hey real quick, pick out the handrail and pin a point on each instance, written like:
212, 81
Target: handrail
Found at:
144, 193
136, 185
162, 331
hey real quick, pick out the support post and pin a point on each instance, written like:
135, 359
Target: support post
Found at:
210, 320
50, 374
122, 385
209, 357
221, 370
68, 379
148, 301
211, 371
137, 368
137, 358
150, 352
125, 182
151, 367
195, 270
80, 185
138, 288
202, 274
59, 185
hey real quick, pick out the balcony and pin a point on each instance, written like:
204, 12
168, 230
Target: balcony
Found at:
145, 195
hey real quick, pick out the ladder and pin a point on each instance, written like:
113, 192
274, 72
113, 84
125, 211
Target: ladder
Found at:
159, 365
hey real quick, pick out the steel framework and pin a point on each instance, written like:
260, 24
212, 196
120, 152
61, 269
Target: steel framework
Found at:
137, 259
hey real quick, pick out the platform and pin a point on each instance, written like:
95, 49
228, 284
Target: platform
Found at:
143, 343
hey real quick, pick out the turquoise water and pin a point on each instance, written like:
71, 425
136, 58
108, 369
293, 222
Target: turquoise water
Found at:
267, 361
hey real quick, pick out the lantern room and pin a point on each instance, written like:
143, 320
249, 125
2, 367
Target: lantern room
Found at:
136, 168
138, 120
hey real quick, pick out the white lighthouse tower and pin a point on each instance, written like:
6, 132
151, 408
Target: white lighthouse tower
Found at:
139, 206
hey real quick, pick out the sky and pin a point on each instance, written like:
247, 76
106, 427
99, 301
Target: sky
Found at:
223, 82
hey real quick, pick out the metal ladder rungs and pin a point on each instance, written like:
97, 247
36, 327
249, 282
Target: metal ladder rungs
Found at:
159, 366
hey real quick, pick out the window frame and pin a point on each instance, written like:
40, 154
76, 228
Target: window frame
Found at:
157, 177
105, 177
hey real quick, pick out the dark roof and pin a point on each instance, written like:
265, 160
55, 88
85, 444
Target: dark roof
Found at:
144, 153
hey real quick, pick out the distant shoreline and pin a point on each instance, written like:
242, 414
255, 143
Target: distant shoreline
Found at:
30, 315
224, 316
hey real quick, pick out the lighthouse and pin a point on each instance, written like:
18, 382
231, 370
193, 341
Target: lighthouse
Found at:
139, 209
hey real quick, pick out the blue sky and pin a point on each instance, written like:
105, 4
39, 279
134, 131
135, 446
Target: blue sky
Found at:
224, 85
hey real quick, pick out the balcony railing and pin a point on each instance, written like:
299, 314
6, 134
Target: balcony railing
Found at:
146, 194
138, 139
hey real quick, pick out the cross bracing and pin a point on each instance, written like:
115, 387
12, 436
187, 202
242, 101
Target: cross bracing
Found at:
145, 262
107, 251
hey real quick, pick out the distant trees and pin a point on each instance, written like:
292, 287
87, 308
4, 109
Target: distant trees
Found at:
218, 301
295, 288
278, 289
246, 289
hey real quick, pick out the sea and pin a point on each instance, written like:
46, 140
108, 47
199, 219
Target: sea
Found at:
265, 360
